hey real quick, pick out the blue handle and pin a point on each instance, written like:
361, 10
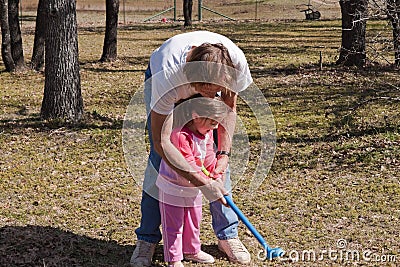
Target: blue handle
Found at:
271, 252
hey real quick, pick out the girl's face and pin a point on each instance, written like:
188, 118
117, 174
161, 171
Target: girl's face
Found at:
204, 125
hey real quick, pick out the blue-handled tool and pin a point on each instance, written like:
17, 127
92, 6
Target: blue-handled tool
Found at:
271, 253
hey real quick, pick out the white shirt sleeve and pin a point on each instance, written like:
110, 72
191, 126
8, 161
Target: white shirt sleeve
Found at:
168, 87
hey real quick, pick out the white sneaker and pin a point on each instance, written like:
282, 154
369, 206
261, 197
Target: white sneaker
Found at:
200, 257
142, 254
235, 250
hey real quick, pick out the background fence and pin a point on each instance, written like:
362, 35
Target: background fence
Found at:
140, 10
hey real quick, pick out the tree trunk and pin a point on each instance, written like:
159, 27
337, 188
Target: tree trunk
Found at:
62, 91
187, 12
6, 53
15, 33
393, 7
37, 61
110, 38
354, 15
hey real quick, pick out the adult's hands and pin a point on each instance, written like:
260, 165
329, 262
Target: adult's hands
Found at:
214, 190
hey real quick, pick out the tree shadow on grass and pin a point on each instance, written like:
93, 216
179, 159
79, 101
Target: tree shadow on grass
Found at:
48, 246
336, 136
92, 120
36, 246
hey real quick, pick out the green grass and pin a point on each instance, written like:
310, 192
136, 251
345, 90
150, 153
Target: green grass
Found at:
67, 197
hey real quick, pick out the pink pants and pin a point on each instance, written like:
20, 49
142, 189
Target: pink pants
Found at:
180, 230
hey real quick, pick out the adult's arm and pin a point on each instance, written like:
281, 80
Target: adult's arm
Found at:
225, 133
161, 127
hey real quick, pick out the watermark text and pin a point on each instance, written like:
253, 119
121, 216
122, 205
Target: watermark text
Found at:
339, 254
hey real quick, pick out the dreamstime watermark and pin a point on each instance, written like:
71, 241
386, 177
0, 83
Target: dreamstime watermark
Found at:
342, 253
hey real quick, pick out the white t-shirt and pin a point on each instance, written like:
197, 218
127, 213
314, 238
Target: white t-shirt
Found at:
169, 83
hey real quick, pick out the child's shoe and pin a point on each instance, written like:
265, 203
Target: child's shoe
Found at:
176, 264
200, 257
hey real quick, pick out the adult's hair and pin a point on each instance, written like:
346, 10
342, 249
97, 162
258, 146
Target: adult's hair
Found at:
210, 63
216, 53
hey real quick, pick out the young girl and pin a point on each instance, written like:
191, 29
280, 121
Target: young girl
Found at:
180, 202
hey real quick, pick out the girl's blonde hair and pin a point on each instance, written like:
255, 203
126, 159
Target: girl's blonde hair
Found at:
204, 107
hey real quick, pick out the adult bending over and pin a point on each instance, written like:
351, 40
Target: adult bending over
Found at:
187, 64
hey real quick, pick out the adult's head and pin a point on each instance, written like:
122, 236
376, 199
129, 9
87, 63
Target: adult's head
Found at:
209, 69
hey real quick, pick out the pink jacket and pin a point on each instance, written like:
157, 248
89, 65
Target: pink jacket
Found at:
198, 150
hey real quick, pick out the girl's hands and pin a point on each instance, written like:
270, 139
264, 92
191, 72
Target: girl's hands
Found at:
220, 167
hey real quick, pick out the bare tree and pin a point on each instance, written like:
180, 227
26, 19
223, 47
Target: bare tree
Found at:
110, 38
354, 15
37, 61
393, 11
12, 51
15, 34
5, 37
62, 91
187, 12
